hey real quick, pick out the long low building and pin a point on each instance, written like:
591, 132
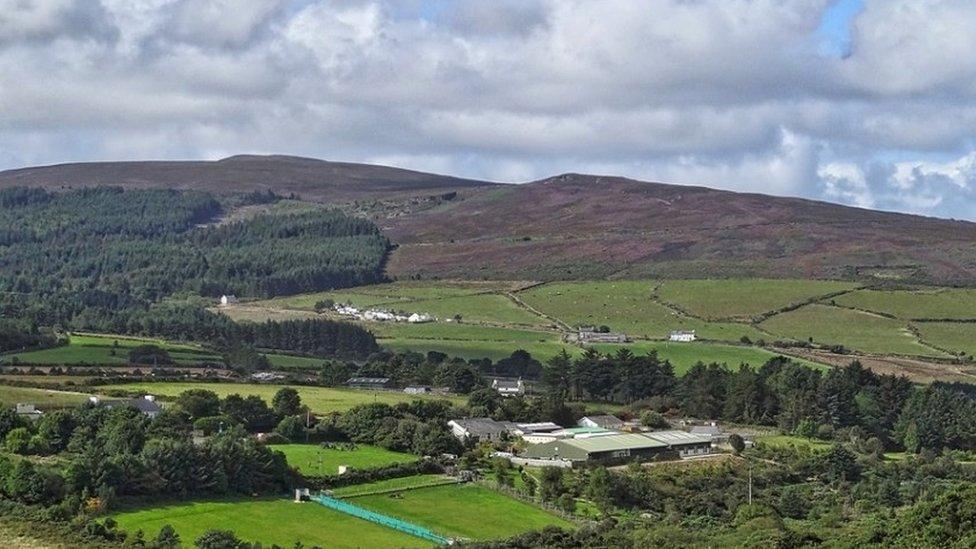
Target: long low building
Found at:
685, 443
605, 449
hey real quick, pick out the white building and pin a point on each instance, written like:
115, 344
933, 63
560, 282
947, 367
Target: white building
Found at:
418, 318
508, 388
228, 300
681, 335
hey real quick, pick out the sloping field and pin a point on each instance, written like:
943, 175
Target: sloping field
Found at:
42, 398
467, 511
938, 303
318, 399
683, 356
313, 459
743, 298
625, 306
96, 349
956, 337
269, 521
853, 329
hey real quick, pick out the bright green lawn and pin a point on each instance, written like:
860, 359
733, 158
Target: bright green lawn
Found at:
269, 521
852, 329
392, 484
714, 298
959, 337
625, 306
291, 361
312, 459
467, 510
319, 399
936, 303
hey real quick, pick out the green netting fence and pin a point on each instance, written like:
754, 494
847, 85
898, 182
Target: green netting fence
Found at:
390, 522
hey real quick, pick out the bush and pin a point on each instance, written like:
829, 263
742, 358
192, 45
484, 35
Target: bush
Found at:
292, 429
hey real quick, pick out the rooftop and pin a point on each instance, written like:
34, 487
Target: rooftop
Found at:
368, 380
610, 443
678, 437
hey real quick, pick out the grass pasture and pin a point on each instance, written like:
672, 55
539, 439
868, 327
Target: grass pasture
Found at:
110, 350
684, 355
939, 304
957, 337
392, 485
318, 399
853, 329
743, 298
44, 399
269, 521
312, 459
625, 306
465, 510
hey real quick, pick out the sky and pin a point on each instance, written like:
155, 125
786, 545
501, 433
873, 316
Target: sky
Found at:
862, 102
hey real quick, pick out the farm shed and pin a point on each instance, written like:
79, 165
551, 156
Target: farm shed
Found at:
601, 421
480, 428
368, 382
686, 444
606, 449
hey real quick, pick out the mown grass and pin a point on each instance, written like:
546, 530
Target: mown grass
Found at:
313, 459
392, 484
935, 303
466, 510
685, 355
625, 306
853, 329
268, 521
318, 399
715, 298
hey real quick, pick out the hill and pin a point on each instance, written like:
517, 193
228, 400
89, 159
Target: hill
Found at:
581, 226
575, 226
310, 178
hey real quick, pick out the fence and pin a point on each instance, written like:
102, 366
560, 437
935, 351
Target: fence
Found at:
390, 522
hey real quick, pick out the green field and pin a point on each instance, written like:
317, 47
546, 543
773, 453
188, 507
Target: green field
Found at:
42, 398
467, 510
494, 350
941, 303
318, 399
392, 484
291, 361
684, 355
312, 459
625, 306
853, 329
269, 521
743, 298
958, 337
109, 350
392, 295
790, 440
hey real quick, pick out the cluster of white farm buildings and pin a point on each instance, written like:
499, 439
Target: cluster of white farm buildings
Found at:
594, 439
376, 315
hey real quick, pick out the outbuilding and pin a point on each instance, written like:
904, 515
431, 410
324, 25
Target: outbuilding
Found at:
610, 449
368, 382
684, 443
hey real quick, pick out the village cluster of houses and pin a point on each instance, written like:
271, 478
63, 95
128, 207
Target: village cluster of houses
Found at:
376, 315
590, 334
147, 405
603, 439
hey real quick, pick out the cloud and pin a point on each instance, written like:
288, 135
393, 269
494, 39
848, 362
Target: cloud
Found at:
736, 94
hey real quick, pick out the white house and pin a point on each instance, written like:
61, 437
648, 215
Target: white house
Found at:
418, 318
508, 388
228, 300
681, 335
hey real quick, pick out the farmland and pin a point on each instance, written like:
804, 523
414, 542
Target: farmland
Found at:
42, 398
939, 304
468, 511
853, 329
312, 459
318, 399
957, 337
392, 484
269, 521
110, 350
685, 355
744, 298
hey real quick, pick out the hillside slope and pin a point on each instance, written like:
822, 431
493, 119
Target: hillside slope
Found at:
310, 178
575, 226
579, 226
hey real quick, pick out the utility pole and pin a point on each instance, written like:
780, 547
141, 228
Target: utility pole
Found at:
750, 483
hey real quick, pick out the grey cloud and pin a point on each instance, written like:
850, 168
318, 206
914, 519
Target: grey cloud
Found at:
45, 20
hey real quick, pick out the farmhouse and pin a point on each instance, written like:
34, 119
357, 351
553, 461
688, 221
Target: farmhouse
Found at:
681, 335
368, 383
147, 404
228, 299
616, 448
479, 428
418, 318
508, 388
601, 421
686, 444
29, 411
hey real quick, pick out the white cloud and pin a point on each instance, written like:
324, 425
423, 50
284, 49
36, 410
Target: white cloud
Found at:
727, 93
